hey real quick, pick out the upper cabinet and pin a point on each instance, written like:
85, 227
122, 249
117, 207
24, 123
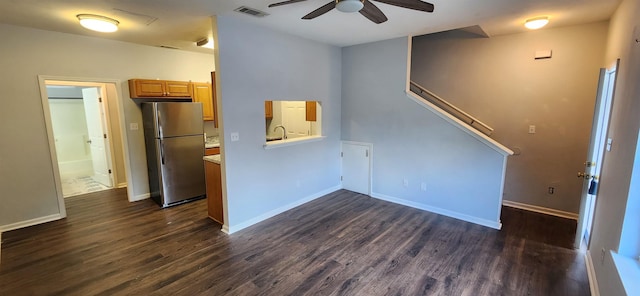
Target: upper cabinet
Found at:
202, 92
310, 108
268, 109
144, 88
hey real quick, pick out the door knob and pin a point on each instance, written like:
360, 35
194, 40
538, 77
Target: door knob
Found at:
583, 175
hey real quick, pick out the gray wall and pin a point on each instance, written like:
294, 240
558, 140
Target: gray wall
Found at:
463, 175
616, 192
256, 64
26, 172
498, 81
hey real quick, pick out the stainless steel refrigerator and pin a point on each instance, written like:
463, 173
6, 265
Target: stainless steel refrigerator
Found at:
174, 138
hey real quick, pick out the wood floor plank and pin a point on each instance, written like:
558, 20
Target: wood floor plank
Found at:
341, 244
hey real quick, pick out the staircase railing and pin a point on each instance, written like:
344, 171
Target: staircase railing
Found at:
451, 109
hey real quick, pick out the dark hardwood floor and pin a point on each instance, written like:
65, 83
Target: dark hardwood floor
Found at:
341, 244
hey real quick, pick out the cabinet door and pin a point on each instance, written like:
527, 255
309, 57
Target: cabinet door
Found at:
214, 192
268, 109
177, 89
140, 88
202, 94
213, 100
310, 107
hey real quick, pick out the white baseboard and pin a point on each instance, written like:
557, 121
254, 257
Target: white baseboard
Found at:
538, 209
234, 228
31, 222
122, 185
140, 197
591, 273
448, 213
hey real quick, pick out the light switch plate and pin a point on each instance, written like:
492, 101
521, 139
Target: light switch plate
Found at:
133, 126
532, 129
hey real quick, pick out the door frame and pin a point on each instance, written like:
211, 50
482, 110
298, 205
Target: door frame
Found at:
370, 173
603, 104
51, 140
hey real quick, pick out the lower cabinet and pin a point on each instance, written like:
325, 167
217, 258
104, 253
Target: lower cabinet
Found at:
214, 191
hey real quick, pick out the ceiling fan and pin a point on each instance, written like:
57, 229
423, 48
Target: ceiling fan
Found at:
365, 7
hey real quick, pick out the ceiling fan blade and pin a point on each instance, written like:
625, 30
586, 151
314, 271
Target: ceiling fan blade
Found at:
320, 11
411, 4
285, 3
373, 13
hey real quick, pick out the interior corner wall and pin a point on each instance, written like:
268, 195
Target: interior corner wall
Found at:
498, 81
463, 176
617, 170
26, 171
257, 64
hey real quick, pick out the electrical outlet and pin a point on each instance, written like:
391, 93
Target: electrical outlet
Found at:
133, 126
423, 186
235, 137
551, 190
405, 183
532, 129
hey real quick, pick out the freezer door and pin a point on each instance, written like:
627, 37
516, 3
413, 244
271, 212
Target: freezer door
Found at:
181, 168
179, 119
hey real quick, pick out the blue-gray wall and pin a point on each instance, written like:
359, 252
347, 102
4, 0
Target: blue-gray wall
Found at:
257, 64
463, 175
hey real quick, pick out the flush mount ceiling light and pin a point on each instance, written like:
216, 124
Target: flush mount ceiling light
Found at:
98, 23
206, 42
536, 23
350, 5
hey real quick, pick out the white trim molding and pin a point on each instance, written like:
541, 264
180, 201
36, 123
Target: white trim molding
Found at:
539, 209
591, 274
229, 229
31, 222
440, 211
139, 197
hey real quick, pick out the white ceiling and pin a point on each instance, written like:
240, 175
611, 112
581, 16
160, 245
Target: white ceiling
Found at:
179, 23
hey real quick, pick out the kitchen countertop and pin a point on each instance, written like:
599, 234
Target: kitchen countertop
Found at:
212, 142
212, 158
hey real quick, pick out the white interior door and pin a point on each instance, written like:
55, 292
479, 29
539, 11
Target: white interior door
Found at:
294, 119
597, 146
356, 167
98, 142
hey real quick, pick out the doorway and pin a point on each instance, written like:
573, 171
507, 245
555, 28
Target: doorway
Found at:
595, 156
83, 139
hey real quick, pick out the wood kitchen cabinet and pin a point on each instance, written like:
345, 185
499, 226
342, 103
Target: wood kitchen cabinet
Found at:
214, 100
268, 109
212, 151
310, 107
147, 88
202, 92
214, 191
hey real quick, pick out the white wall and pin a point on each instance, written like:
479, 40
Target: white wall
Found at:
618, 167
69, 129
26, 173
498, 81
255, 64
463, 175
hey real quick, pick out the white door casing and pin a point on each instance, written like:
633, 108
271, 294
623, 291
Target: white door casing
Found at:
597, 145
98, 142
356, 167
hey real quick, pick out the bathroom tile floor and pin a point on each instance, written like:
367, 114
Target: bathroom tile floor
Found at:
72, 186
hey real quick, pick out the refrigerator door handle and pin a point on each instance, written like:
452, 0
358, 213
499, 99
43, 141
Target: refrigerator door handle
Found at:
161, 152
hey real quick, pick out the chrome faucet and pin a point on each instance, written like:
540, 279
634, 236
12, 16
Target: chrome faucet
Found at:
284, 131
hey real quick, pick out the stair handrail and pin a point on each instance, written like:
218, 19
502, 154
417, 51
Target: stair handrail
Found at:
470, 119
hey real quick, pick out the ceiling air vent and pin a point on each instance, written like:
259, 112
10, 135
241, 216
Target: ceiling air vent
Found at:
251, 11
168, 46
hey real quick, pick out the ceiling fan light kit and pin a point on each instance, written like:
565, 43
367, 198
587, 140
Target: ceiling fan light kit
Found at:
365, 7
350, 5
98, 23
536, 23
